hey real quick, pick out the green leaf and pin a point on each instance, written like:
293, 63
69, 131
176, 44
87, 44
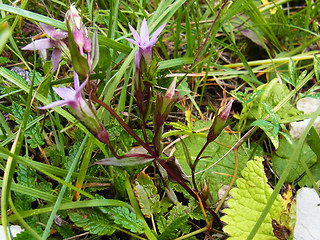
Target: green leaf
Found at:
222, 172
274, 93
34, 137
65, 231
147, 196
93, 221
282, 155
175, 222
124, 218
248, 201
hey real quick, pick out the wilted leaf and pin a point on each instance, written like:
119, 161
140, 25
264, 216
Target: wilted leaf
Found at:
147, 196
247, 203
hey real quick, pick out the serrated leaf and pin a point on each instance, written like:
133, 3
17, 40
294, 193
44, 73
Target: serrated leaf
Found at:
247, 203
93, 221
172, 229
34, 137
175, 222
146, 194
65, 231
126, 219
25, 235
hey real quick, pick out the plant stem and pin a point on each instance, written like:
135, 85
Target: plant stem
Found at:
123, 124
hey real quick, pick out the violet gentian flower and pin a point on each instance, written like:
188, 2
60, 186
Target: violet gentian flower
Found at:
143, 42
85, 113
56, 40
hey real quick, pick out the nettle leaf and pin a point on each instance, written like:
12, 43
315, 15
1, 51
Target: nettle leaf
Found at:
248, 200
281, 157
147, 195
34, 224
26, 177
34, 137
93, 221
123, 217
171, 227
222, 172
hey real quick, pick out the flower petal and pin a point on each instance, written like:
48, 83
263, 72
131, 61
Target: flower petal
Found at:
132, 41
144, 32
39, 45
78, 91
75, 80
135, 34
157, 32
56, 53
137, 60
55, 104
47, 29
66, 93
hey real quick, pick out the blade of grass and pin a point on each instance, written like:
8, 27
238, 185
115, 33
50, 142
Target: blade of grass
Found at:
46, 232
73, 205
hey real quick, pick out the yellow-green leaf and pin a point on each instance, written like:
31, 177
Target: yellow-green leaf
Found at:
247, 203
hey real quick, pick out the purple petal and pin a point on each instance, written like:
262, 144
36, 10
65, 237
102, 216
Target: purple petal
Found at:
59, 34
78, 91
39, 45
67, 94
47, 29
56, 53
135, 34
151, 43
132, 41
137, 61
157, 32
75, 80
55, 104
144, 32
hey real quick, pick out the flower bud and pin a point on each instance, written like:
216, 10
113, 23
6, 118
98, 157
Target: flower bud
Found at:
73, 18
219, 122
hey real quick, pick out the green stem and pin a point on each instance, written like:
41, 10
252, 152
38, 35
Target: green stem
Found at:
201, 230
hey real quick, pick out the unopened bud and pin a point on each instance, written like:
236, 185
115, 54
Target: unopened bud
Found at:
73, 18
205, 191
219, 122
171, 90
224, 114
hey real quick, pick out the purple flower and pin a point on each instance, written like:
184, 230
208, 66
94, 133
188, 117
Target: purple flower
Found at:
86, 114
71, 97
143, 42
56, 41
